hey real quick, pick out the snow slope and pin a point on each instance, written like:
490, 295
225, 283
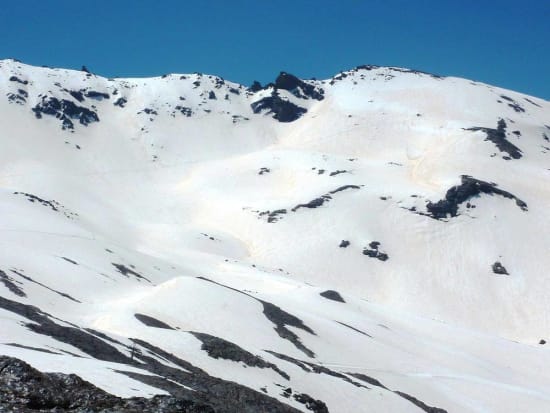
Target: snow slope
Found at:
183, 213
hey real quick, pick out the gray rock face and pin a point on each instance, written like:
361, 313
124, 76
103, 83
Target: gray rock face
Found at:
25, 389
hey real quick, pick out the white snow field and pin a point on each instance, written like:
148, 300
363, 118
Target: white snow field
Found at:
378, 241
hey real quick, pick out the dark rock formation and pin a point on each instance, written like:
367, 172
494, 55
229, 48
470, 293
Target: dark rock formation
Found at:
124, 270
273, 216
27, 389
498, 137
219, 395
19, 98
66, 111
374, 252
184, 110
282, 110
298, 87
92, 94
354, 329
11, 284
255, 87
420, 404
498, 268
217, 347
27, 278
120, 102
314, 203
16, 79
311, 367
332, 295
344, 244
344, 188
513, 104
280, 318
152, 322
223, 396
77, 94
316, 406
470, 187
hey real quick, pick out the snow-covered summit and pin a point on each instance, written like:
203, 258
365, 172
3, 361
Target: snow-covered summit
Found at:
371, 242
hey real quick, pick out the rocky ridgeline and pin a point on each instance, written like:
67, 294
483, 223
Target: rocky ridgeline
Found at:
25, 389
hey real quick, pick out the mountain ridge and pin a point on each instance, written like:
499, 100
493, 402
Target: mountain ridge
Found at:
305, 240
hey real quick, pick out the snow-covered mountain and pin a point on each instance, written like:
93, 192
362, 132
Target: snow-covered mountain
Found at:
378, 241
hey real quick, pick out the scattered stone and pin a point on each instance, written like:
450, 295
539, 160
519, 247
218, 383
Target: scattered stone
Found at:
120, 102
332, 295
498, 268
16, 79
374, 252
338, 172
344, 244
513, 104
184, 110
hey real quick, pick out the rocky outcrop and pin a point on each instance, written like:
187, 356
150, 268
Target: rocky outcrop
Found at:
26, 389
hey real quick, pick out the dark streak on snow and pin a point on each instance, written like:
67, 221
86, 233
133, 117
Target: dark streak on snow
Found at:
11, 284
413, 400
217, 348
513, 104
152, 322
124, 270
498, 137
332, 295
69, 260
273, 216
532, 103
354, 329
43, 350
26, 277
281, 319
223, 396
315, 368
43, 324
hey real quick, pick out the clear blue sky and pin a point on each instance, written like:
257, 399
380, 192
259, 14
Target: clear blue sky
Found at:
505, 43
